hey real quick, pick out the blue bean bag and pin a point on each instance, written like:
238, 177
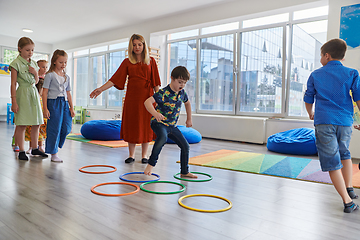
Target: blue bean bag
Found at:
101, 130
299, 141
191, 135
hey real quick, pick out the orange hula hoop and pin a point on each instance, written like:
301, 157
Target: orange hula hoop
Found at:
81, 169
118, 194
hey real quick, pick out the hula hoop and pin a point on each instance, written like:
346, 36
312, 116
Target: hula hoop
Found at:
194, 180
138, 181
149, 191
114, 195
202, 210
81, 169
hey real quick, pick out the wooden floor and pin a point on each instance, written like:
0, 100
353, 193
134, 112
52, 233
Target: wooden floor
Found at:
44, 200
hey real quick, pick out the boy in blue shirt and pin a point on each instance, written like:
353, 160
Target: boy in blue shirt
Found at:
165, 116
330, 85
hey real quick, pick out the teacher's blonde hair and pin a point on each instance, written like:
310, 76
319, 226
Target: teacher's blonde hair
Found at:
145, 53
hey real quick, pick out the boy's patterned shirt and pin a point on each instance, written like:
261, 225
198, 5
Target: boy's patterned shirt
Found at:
169, 104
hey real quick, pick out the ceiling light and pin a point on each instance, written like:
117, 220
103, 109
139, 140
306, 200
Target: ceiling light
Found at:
27, 30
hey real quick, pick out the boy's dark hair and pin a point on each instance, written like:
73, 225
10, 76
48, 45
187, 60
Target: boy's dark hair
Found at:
336, 48
180, 72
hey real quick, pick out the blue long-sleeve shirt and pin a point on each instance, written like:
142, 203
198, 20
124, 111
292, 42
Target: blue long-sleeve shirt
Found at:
330, 85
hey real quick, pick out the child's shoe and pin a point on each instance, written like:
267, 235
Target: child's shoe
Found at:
351, 193
55, 158
41, 148
29, 151
37, 152
22, 156
16, 149
350, 207
129, 160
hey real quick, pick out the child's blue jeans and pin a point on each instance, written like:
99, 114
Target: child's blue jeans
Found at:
332, 142
58, 125
162, 134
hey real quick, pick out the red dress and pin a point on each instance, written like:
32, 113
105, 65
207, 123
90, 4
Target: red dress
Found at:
135, 122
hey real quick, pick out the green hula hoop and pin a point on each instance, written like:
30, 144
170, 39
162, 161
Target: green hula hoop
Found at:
149, 191
194, 180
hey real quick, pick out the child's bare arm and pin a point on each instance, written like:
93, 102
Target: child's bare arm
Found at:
46, 112
72, 112
358, 105
188, 114
150, 108
14, 106
309, 109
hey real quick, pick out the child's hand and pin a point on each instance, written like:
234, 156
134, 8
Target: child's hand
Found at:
14, 107
72, 112
95, 93
357, 127
158, 116
188, 123
311, 116
32, 70
46, 114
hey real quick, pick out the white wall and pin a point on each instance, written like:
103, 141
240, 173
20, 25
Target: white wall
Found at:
352, 57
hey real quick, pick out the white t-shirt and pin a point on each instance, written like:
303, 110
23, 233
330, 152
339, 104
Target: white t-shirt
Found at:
61, 81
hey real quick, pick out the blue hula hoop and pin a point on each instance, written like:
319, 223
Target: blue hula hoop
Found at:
127, 180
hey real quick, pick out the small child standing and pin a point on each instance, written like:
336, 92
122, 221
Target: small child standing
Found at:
165, 117
25, 99
58, 107
43, 67
330, 85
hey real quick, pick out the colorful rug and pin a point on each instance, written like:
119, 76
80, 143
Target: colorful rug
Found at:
112, 144
267, 164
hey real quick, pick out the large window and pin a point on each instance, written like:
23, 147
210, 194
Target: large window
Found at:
114, 61
216, 75
261, 71
256, 67
307, 40
184, 54
98, 78
11, 54
92, 68
80, 83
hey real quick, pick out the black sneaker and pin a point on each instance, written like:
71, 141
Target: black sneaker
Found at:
350, 207
37, 152
144, 160
22, 156
129, 160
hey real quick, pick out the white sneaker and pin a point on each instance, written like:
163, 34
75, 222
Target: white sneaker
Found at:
55, 158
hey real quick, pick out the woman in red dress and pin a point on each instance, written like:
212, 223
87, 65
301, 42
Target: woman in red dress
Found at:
143, 80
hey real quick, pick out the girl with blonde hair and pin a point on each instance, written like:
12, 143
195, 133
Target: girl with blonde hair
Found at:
25, 99
57, 102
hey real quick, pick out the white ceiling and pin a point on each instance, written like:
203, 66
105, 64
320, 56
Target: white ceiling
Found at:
54, 21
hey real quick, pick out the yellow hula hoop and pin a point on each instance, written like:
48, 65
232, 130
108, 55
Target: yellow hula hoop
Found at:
202, 210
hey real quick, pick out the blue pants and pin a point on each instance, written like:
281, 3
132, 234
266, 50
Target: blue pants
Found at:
162, 133
58, 125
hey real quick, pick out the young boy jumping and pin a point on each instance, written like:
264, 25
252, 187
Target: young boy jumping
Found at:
330, 85
165, 116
